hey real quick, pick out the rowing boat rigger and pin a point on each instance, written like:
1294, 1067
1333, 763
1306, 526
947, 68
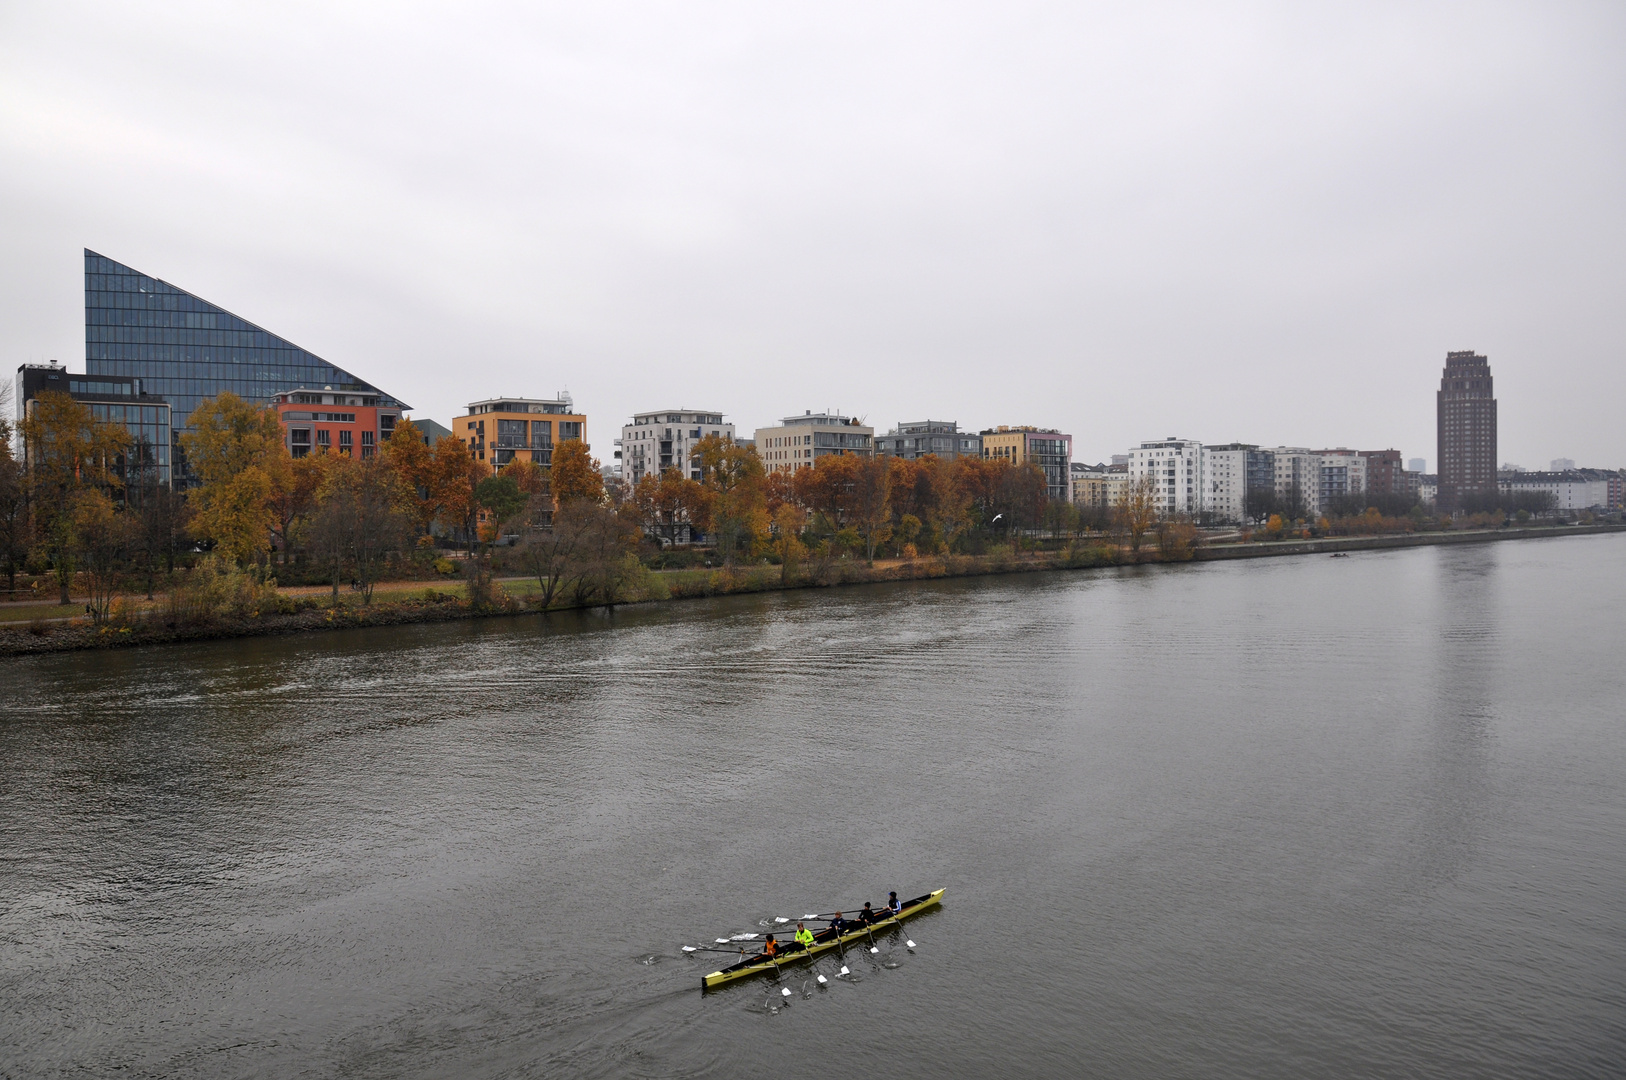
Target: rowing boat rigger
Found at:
791, 952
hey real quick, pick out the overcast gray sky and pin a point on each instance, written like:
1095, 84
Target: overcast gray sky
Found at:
1265, 222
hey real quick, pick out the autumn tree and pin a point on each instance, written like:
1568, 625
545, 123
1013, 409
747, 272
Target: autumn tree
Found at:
666, 502
788, 522
68, 450
871, 505
100, 537
419, 469
575, 474
292, 499
235, 448
13, 507
456, 474
736, 511
825, 489
1137, 510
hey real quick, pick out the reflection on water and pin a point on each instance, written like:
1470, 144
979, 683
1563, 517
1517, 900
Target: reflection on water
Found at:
1302, 817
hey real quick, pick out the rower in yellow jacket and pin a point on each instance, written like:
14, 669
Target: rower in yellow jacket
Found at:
804, 936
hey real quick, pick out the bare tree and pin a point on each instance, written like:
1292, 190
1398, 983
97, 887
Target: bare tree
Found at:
363, 517
1137, 510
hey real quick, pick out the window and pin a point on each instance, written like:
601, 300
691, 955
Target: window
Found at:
344, 442
324, 438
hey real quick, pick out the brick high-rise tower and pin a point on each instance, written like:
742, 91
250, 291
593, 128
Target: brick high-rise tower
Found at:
1466, 413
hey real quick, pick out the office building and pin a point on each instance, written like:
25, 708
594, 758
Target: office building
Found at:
799, 441
185, 349
1175, 468
1465, 413
501, 430
118, 399
1047, 448
661, 440
323, 420
1562, 464
916, 439
1417, 465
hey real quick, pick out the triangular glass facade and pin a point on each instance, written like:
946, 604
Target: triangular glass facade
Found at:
186, 349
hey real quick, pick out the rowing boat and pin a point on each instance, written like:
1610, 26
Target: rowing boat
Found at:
791, 952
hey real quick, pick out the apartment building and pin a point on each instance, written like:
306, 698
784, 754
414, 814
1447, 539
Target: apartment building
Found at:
1230, 471
1574, 489
1342, 472
798, 441
498, 431
324, 420
661, 440
1047, 448
1384, 472
1175, 467
921, 437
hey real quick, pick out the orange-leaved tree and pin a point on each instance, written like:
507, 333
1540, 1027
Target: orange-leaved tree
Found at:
234, 448
575, 474
737, 509
67, 450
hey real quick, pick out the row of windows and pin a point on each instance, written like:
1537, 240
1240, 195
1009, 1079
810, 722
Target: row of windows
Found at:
147, 301
133, 414
180, 320
149, 370
219, 339
290, 360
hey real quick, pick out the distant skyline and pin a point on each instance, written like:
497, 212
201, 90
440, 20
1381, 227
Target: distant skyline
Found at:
1259, 222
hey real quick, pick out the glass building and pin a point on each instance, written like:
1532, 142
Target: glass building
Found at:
185, 349
120, 400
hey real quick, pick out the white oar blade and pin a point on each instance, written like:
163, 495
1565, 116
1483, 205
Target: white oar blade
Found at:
722, 941
911, 944
780, 918
844, 970
823, 980
873, 949
690, 948
785, 991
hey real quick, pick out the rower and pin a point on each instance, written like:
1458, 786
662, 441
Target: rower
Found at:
838, 925
804, 936
867, 916
770, 948
893, 904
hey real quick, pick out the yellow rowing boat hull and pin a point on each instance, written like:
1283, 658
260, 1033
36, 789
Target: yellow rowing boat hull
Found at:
727, 975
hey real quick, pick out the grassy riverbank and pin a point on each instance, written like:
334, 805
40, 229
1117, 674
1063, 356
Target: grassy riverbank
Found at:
40, 628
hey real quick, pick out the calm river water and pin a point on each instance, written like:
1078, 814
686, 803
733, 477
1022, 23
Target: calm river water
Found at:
1358, 817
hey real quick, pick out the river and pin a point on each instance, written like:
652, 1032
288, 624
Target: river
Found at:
1358, 817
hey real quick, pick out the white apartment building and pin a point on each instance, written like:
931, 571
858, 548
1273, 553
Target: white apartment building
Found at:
1575, 489
657, 441
1176, 467
1230, 471
799, 440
